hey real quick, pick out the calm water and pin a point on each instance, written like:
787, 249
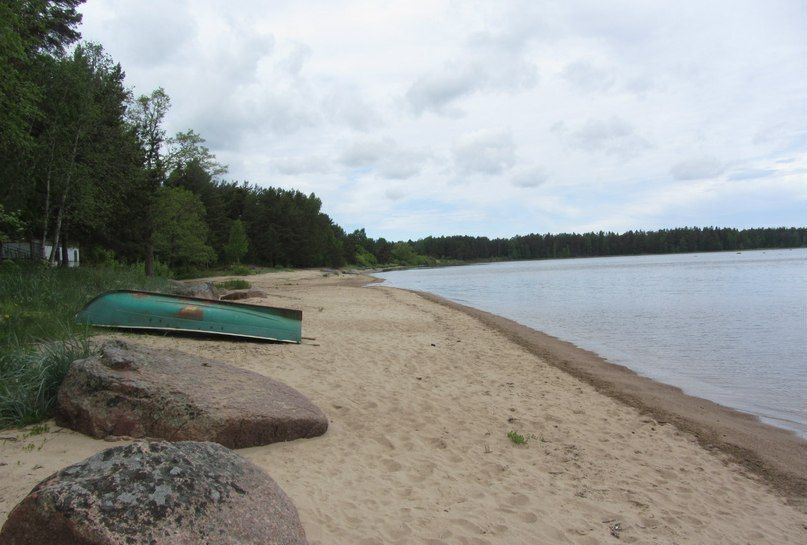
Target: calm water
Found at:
724, 326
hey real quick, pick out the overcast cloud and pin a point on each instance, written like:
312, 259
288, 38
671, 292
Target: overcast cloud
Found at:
496, 118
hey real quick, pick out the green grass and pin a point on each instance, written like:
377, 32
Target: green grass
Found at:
517, 438
38, 335
30, 377
38, 303
234, 284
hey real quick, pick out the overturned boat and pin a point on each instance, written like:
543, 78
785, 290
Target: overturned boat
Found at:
156, 311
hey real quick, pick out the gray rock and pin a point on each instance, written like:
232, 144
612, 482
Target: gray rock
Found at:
156, 493
236, 295
202, 290
130, 390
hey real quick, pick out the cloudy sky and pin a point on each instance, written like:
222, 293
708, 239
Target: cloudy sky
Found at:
494, 118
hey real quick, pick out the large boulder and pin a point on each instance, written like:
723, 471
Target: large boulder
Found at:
156, 493
130, 390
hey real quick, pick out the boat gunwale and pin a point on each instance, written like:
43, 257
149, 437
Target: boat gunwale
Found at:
289, 313
198, 332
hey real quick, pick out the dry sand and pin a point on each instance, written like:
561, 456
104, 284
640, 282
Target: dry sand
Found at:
421, 397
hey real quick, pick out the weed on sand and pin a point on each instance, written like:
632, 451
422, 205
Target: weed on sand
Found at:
234, 284
516, 438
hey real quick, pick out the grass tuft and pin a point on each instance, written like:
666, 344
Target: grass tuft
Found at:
30, 378
517, 438
234, 284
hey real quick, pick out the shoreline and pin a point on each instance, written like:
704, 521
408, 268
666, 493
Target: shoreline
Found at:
777, 455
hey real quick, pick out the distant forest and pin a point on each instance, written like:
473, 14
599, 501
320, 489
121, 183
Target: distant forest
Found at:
664, 241
84, 162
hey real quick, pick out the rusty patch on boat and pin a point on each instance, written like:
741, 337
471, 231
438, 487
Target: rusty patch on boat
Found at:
191, 312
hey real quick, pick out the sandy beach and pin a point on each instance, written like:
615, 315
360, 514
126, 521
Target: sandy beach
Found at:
421, 395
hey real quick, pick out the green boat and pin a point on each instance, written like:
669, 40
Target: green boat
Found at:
145, 310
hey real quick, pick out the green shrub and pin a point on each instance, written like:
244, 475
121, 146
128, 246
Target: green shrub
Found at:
365, 258
516, 438
234, 284
30, 378
240, 270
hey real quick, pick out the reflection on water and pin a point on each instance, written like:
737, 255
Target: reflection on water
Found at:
730, 327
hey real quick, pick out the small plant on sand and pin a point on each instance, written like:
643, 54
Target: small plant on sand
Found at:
234, 284
516, 438
37, 429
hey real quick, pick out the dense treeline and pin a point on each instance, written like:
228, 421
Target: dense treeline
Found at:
85, 162
664, 241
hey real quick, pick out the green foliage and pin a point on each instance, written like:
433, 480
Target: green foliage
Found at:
365, 259
234, 284
240, 270
30, 378
186, 148
516, 438
237, 244
403, 254
11, 226
181, 233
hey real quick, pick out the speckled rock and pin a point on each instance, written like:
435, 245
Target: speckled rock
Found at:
156, 493
131, 390
204, 290
237, 295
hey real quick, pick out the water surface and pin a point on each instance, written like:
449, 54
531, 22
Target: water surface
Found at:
730, 327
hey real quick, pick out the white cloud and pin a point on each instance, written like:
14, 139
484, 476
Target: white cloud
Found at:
613, 136
530, 177
385, 157
487, 151
585, 76
487, 62
300, 165
697, 169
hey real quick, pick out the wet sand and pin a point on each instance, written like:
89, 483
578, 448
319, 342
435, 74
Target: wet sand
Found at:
421, 397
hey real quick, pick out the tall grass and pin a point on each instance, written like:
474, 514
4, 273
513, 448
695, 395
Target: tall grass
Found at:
30, 377
38, 334
38, 303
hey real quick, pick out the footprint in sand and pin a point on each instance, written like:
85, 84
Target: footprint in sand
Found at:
528, 517
518, 499
390, 464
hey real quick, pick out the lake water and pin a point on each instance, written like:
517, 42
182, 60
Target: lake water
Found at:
730, 327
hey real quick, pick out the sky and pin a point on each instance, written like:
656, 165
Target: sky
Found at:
496, 118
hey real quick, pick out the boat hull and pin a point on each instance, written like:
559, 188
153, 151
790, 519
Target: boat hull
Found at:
156, 311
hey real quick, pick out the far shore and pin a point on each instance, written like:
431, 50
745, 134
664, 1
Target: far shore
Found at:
424, 397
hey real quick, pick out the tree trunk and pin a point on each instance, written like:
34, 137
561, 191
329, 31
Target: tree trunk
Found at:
46, 217
63, 201
150, 259
65, 255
